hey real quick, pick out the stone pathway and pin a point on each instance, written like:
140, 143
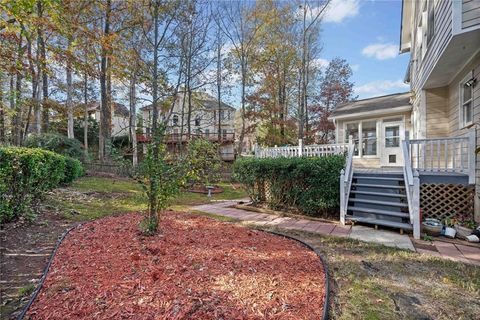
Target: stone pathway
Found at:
456, 252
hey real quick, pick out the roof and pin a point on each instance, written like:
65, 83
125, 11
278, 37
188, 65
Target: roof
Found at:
390, 103
118, 108
203, 99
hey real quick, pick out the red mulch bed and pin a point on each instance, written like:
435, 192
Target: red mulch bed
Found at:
195, 268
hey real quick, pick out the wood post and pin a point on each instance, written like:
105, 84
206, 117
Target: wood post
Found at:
300, 147
343, 205
416, 205
471, 155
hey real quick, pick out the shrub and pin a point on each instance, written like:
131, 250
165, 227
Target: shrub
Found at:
308, 185
26, 173
57, 143
203, 162
73, 170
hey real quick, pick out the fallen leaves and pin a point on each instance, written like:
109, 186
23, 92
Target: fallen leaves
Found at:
196, 268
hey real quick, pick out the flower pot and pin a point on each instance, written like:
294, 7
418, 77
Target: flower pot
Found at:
450, 232
432, 227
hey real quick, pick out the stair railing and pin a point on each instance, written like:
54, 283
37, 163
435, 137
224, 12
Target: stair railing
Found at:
412, 189
346, 180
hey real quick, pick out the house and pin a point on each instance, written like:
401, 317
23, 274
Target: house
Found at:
207, 120
120, 117
412, 155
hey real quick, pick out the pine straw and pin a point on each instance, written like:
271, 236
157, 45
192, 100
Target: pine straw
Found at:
195, 268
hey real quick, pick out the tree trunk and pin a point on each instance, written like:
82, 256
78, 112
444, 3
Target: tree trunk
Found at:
69, 102
17, 118
219, 85
105, 114
133, 118
85, 113
243, 68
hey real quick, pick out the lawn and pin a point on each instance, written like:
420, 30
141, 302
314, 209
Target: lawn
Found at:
95, 197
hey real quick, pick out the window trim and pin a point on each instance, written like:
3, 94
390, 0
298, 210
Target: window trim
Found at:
360, 136
461, 116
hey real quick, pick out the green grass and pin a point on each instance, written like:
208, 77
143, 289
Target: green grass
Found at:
26, 291
95, 197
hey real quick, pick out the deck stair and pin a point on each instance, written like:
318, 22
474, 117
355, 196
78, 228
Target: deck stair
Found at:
379, 198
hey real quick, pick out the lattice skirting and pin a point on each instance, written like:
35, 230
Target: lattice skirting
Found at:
443, 201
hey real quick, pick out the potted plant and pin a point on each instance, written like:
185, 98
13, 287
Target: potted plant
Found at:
450, 231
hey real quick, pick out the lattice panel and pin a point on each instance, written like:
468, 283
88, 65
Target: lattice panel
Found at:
443, 201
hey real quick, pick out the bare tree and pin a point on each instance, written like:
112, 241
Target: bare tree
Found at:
241, 25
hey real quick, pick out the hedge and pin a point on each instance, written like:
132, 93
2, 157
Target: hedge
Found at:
307, 185
26, 173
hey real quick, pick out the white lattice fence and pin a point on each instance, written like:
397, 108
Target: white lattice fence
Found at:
443, 201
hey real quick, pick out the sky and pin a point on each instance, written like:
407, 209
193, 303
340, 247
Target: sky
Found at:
366, 33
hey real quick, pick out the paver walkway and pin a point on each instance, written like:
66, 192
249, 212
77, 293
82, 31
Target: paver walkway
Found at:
446, 250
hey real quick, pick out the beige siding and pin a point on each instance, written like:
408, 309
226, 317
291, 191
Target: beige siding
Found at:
470, 13
366, 162
454, 101
443, 34
437, 112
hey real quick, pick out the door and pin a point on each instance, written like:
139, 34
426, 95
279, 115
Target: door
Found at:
391, 150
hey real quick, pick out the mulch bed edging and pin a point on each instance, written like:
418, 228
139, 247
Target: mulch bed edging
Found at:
306, 297
45, 272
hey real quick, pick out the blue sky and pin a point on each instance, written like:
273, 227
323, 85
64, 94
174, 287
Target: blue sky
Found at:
366, 33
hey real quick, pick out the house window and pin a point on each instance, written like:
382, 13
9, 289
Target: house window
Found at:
466, 95
352, 130
364, 134
392, 137
369, 138
224, 134
207, 133
175, 120
197, 121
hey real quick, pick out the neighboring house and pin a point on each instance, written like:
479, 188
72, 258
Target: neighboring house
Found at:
412, 155
120, 117
204, 123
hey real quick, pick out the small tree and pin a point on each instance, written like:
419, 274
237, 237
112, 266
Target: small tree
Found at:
203, 162
160, 180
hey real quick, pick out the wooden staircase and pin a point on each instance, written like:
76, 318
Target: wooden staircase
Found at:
379, 199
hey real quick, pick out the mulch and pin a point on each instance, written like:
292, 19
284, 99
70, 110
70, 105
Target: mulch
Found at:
194, 268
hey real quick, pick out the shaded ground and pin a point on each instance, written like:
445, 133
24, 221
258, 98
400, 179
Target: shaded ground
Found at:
26, 246
187, 271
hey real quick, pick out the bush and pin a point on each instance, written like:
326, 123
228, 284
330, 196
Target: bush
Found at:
308, 185
73, 170
203, 162
26, 173
57, 143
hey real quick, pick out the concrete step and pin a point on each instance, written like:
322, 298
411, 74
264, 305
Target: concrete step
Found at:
379, 212
382, 186
378, 202
380, 194
386, 223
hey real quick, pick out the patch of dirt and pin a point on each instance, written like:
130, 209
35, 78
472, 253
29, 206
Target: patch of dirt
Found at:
195, 268
25, 249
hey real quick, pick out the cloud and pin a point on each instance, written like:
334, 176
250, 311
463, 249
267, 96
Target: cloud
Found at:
380, 87
320, 63
339, 10
381, 51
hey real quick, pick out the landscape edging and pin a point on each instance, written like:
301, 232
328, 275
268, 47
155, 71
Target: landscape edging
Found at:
326, 306
45, 272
